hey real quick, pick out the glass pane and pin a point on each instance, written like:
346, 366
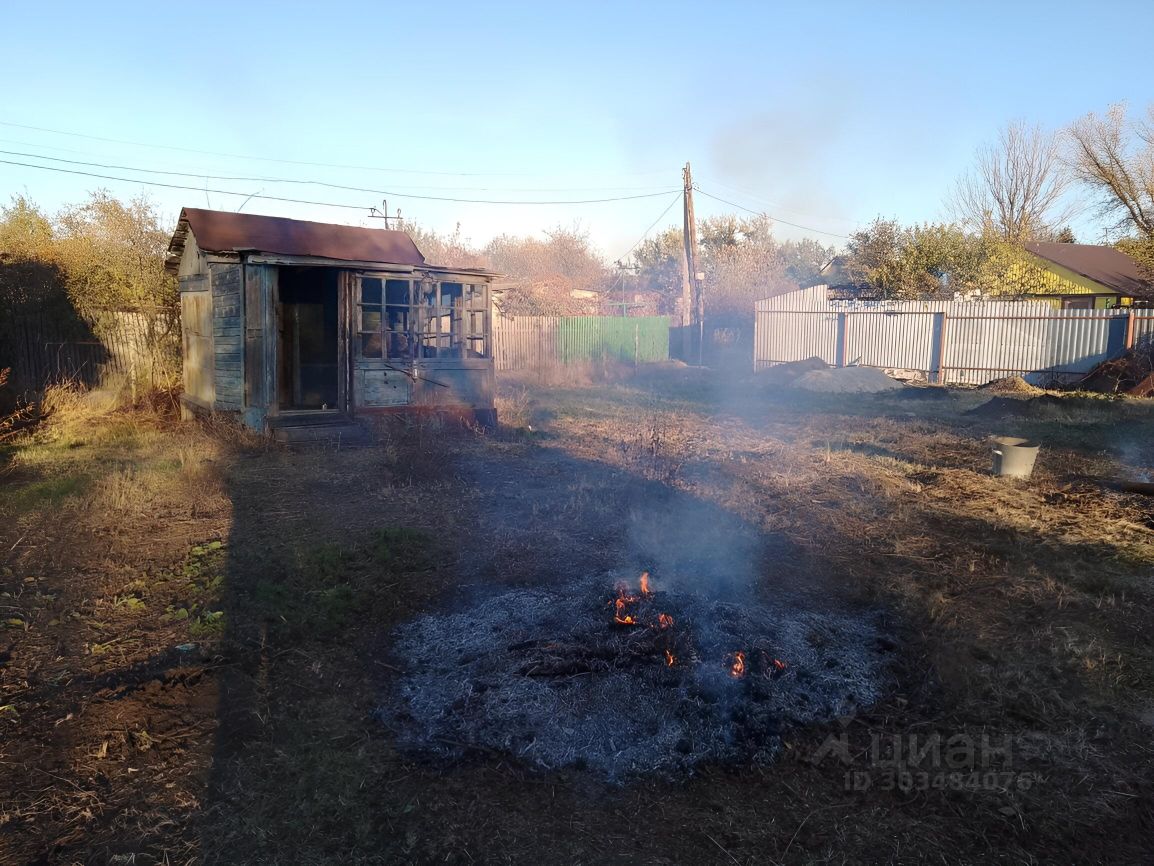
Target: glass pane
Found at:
370, 290
371, 345
450, 293
370, 318
396, 291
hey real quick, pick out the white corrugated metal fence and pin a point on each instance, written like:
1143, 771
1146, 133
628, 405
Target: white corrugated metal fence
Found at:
947, 341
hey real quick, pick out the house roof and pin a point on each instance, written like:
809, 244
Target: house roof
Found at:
1104, 265
226, 232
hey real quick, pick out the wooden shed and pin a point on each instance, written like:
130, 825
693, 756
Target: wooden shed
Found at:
295, 324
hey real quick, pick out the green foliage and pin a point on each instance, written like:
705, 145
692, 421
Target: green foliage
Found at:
112, 254
741, 259
1141, 249
98, 255
929, 260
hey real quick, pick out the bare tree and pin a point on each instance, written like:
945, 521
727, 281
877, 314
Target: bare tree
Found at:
1016, 188
1115, 158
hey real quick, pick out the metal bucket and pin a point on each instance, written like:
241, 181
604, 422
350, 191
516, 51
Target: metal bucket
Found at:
1013, 457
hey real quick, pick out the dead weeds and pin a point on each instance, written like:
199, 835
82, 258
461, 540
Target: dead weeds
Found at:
197, 628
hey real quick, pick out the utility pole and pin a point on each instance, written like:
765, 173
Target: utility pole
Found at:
383, 214
692, 302
622, 270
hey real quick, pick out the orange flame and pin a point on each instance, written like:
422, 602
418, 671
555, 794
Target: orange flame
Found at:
645, 583
621, 616
664, 620
779, 664
670, 659
738, 668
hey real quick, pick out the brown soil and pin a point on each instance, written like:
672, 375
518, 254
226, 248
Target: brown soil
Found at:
1018, 611
1011, 385
1132, 373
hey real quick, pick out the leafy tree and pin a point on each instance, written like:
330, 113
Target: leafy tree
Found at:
29, 274
1142, 251
660, 262
930, 260
1065, 235
741, 259
112, 254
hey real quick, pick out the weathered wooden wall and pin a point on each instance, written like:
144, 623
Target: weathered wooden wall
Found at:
196, 327
227, 337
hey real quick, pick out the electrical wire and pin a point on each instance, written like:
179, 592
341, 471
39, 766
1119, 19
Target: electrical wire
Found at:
319, 203
181, 186
637, 243
206, 175
775, 219
292, 161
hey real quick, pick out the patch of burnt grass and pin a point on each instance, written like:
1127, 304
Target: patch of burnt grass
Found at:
325, 588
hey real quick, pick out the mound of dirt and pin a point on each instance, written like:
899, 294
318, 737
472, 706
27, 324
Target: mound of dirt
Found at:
784, 375
847, 380
1011, 385
1132, 373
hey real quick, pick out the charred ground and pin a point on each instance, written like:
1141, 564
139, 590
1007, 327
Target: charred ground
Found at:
1014, 610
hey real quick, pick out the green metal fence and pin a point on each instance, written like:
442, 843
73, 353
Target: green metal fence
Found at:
536, 342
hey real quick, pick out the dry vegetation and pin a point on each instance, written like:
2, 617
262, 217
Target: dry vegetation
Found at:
197, 626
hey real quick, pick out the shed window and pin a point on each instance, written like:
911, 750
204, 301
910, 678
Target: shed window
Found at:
423, 319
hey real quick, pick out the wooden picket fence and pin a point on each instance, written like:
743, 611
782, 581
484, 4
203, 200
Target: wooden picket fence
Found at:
42, 347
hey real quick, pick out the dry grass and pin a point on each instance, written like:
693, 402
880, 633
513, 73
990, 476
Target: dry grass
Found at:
1017, 609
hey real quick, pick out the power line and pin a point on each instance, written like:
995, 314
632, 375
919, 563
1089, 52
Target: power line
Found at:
775, 219
287, 161
504, 201
180, 186
637, 243
207, 175
381, 192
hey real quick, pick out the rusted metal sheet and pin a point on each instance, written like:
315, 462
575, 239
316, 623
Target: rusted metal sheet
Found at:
1101, 264
224, 232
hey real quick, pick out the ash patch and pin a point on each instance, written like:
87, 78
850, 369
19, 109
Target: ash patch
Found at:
547, 675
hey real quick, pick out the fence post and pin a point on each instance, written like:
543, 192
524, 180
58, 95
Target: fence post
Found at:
1129, 329
842, 339
937, 347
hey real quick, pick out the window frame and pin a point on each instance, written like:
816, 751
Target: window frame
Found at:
434, 323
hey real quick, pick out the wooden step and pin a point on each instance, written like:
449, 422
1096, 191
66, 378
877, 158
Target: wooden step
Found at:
336, 431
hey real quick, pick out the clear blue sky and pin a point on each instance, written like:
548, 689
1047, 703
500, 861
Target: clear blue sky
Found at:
822, 114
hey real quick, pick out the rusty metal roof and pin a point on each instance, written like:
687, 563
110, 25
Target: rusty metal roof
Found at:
226, 232
1107, 266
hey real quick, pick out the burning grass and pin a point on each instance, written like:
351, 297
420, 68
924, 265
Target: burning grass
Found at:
627, 682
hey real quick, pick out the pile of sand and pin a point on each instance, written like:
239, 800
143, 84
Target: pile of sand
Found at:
784, 375
847, 380
1012, 385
